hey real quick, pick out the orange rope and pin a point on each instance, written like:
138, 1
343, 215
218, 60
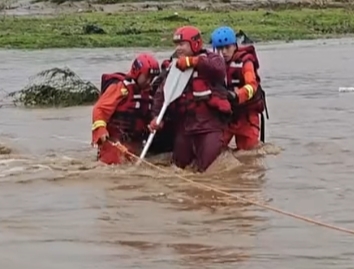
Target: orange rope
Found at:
271, 208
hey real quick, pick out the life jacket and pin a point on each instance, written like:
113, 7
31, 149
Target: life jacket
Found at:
131, 117
235, 79
200, 95
108, 79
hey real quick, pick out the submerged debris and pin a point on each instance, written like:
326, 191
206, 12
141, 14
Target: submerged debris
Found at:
4, 150
56, 87
90, 29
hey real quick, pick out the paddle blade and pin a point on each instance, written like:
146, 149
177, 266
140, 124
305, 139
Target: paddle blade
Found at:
176, 82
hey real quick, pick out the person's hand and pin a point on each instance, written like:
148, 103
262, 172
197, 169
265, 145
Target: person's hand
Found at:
121, 147
183, 63
232, 97
103, 138
153, 126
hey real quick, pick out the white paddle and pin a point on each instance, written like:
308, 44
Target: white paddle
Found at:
175, 84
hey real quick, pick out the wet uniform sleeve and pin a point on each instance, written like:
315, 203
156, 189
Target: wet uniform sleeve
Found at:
212, 66
103, 110
251, 85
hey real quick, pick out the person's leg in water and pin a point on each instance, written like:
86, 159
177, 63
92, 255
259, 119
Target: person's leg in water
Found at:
183, 153
248, 132
208, 147
228, 136
109, 153
164, 140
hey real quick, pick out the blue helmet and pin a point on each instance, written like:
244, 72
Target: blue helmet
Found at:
223, 36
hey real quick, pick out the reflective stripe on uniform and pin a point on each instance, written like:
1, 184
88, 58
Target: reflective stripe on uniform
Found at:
236, 65
187, 62
137, 98
250, 91
98, 124
203, 93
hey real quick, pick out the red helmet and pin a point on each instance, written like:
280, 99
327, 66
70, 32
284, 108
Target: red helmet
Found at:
145, 63
190, 34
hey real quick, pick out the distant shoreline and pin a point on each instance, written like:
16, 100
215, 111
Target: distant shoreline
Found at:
152, 26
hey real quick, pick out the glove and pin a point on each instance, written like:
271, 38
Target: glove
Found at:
232, 96
183, 63
153, 125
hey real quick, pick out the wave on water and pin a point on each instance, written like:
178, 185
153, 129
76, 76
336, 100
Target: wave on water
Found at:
17, 167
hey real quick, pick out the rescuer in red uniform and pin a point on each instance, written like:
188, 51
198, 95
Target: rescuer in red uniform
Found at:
243, 82
198, 112
123, 111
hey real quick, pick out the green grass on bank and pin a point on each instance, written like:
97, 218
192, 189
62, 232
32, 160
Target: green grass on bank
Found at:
155, 28
318, 3
100, 1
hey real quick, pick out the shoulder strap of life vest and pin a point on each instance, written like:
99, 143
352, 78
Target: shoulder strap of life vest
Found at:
248, 53
108, 79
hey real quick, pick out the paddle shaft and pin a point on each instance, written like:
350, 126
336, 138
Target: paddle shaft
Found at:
152, 135
173, 89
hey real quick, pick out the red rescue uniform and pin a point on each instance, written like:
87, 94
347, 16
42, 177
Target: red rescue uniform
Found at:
199, 134
123, 111
243, 78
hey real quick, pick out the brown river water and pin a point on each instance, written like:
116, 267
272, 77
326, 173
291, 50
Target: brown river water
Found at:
60, 209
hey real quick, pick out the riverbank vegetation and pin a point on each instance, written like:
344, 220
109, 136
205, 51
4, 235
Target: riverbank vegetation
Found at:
319, 3
155, 28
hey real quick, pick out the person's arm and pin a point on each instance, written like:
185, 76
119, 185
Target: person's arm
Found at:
104, 108
251, 84
211, 66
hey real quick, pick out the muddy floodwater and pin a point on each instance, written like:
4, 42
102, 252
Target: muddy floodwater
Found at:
59, 209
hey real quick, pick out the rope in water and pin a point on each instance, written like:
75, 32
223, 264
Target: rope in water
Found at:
261, 205
264, 206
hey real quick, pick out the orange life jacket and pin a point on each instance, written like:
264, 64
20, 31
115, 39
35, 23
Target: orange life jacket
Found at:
108, 79
132, 115
235, 79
